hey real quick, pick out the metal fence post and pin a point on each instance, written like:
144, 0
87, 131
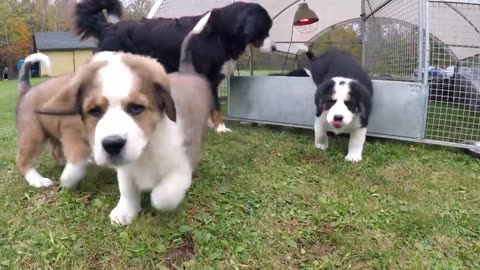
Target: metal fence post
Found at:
363, 31
421, 27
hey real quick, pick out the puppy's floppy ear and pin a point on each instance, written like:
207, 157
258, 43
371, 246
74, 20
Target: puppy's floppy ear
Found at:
165, 102
69, 100
364, 100
152, 72
323, 89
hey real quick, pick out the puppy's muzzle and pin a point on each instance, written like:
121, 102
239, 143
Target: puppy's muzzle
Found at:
113, 145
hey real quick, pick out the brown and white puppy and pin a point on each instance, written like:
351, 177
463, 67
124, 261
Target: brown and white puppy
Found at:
146, 124
65, 134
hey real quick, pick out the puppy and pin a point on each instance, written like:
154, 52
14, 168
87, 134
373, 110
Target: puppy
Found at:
301, 72
66, 135
342, 100
146, 124
229, 31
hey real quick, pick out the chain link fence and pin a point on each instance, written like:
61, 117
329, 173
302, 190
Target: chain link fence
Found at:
454, 72
430, 42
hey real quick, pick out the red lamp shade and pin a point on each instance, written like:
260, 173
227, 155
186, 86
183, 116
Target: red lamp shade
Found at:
304, 16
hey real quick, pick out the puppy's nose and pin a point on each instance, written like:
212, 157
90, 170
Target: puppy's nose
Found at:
337, 118
274, 48
113, 145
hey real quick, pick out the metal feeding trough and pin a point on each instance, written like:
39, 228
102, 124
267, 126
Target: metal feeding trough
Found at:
399, 108
474, 148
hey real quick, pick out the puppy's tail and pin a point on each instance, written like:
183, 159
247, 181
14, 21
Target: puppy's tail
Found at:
186, 63
90, 21
24, 76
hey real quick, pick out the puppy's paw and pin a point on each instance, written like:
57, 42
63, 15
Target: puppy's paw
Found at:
41, 182
72, 174
222, 129
354, 157
34, 179
322, 146
166, 198
122, 215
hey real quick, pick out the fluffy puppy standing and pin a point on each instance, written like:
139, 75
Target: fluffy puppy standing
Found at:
146, 124
343, 100
230, 30
65, 134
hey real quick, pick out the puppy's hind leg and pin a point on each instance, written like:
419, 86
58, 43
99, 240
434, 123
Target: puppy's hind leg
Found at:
76, 153
170, 192
56, 152
29, 148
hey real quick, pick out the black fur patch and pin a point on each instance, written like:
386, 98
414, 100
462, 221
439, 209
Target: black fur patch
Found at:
294, 73
323, 96
361, 100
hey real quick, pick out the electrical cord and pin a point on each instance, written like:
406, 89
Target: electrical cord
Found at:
288, 51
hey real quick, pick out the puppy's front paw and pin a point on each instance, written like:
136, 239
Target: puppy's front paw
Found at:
322, 146
122, 215
41, 182
34, 179
354, 157
222, 129
72, 174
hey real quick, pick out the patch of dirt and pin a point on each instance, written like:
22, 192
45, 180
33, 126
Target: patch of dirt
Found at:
326, 228
318, 250
85, 199
49, 196
175, 257
360, 266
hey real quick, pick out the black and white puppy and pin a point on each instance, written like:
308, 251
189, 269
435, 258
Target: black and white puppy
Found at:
229, 31
300, 72
343, 100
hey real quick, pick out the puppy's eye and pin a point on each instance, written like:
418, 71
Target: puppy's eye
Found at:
135, 109
95, 112
350, 106
330, 103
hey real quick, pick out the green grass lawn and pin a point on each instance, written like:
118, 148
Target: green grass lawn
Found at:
262, 198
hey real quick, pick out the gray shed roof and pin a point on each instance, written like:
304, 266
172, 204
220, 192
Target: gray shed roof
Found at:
62, 41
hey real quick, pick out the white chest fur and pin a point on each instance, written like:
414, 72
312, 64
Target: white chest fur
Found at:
228, 68
164, 169
164, 154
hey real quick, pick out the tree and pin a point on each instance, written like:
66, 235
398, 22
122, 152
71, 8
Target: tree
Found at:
16, 34
137, 9
344, 37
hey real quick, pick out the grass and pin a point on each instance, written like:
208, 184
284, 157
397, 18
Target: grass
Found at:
262, 198
452, 123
